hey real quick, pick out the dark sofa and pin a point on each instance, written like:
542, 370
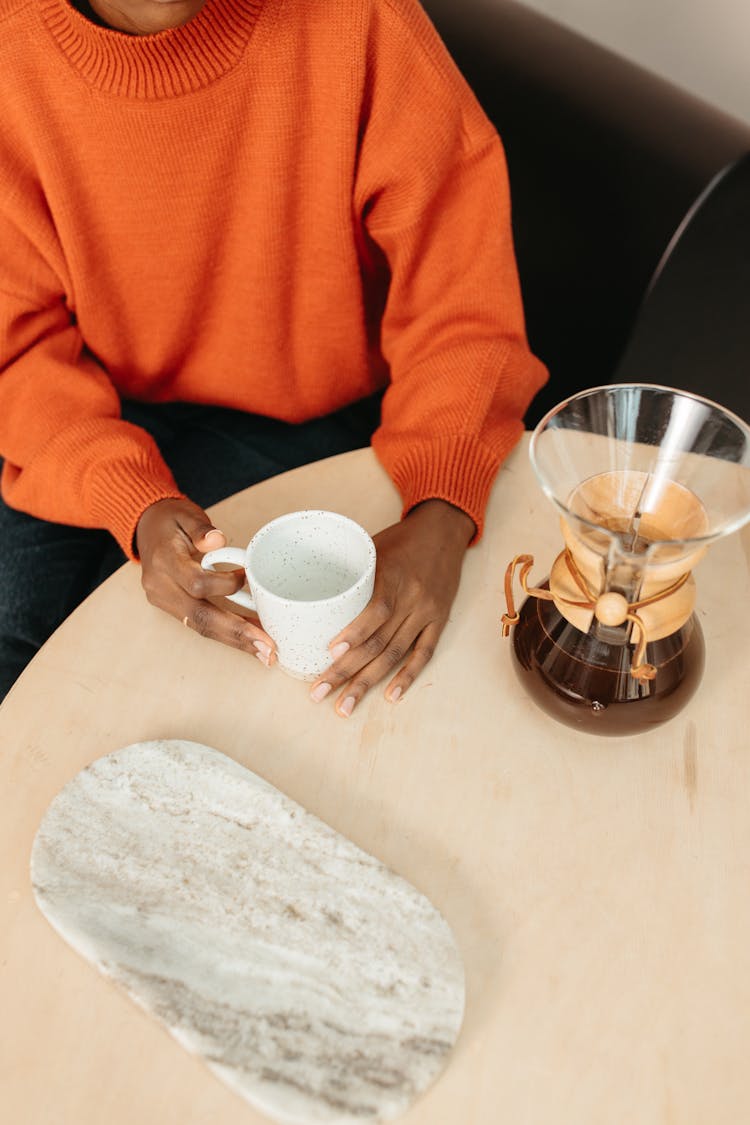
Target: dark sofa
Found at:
605, 159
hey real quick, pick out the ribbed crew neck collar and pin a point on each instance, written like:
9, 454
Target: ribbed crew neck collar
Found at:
164, 65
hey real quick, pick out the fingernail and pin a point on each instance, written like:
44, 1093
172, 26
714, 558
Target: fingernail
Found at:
339, 649
395, 695
263, 660
347, 706
320, 692
213, 533
263, 649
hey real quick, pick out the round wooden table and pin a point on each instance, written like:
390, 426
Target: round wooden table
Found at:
597, 888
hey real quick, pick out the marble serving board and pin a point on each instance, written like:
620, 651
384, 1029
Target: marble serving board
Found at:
311, 979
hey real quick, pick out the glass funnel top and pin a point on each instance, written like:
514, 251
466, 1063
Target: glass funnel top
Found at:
647, 470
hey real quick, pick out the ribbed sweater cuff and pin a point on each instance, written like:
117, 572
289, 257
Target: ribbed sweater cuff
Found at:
120, 492
458, 469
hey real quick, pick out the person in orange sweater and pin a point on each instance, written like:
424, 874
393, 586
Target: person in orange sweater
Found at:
229, 229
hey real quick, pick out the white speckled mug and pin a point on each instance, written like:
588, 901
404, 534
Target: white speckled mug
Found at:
309, 574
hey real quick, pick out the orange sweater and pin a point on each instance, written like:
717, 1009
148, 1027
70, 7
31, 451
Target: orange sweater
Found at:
279, 207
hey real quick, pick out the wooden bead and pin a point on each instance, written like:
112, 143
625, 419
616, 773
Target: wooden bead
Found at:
611, 609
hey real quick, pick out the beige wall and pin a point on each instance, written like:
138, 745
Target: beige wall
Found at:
703, 45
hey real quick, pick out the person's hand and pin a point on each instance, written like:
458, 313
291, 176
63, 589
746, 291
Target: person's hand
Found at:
417, 576
170, 538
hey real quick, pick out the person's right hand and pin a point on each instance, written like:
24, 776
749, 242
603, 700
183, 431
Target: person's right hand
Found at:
170, 538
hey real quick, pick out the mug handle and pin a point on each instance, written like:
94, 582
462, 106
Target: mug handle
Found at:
233, 555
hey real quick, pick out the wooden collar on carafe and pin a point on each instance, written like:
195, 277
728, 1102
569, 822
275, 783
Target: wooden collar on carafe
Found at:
609, 608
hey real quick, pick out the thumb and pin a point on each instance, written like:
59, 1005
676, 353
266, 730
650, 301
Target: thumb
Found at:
199, 529
208, 539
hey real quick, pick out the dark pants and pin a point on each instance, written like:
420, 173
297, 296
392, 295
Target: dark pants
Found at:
47, 569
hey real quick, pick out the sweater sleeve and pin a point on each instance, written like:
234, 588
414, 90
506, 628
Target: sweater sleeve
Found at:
434, 202
68, 455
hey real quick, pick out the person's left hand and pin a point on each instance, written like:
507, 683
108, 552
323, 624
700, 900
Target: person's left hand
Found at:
416, 579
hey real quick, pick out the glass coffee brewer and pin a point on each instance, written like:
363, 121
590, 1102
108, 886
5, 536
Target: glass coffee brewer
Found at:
644, 478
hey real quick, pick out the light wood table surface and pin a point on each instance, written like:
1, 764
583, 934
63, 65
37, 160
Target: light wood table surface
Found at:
598, 889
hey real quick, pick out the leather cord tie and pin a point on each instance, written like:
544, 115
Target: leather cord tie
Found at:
609, 608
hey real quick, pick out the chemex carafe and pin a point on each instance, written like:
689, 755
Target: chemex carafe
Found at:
644, 479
